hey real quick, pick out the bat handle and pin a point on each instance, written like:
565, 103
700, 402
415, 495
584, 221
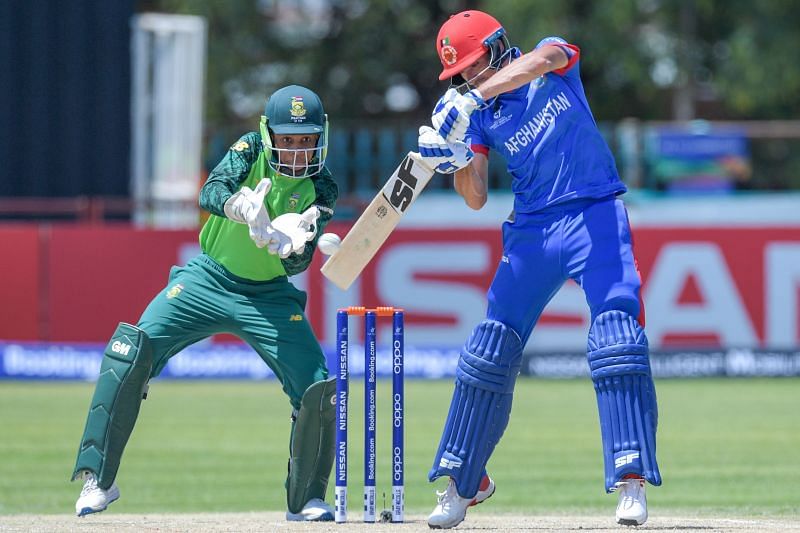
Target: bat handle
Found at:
420, 160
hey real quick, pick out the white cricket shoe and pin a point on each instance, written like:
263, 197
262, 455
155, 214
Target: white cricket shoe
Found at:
315, 510
632, 506
452, 508
93, 499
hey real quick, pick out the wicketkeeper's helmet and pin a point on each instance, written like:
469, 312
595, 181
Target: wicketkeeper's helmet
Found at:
295, 110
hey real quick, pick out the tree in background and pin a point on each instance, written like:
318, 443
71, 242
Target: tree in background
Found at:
374, 60
653, 59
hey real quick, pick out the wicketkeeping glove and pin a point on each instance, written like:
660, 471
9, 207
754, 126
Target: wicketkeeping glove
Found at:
440, 155
451, 115
246, 206
291, 231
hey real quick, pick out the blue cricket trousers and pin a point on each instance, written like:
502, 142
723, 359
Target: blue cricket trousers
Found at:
586, 240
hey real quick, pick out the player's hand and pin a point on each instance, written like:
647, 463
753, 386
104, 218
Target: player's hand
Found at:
308, 221
440, 155
279, 244
247, 207
261, 234
291, 232
451, 115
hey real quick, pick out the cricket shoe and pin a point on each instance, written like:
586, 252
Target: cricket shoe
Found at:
485, 490
632, 506
93, 499
315, 510
452, 508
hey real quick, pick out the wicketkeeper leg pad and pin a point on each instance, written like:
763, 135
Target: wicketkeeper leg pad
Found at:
124, 373
487, 371
626, 398
312, 445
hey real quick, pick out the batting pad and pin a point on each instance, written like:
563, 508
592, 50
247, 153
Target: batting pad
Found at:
487, 371
626, 397
312, 445
123, 378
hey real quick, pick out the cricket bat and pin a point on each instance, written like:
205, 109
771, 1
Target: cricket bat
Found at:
377, 221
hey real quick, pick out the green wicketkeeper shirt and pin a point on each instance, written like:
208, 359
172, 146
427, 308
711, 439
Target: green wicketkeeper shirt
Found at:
228, 242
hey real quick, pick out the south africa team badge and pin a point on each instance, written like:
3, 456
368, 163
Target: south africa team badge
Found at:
174, 291
293, 199
297, 109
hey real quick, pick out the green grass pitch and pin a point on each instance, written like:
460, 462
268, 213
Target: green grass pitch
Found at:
725, 446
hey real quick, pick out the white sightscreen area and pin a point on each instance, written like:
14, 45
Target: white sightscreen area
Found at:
169, 61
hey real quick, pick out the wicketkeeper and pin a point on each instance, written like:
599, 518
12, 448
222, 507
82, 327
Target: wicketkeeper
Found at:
270, 198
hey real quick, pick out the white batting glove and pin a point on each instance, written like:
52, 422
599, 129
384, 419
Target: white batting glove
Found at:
451, 115
246, 206
440, 155
291, 232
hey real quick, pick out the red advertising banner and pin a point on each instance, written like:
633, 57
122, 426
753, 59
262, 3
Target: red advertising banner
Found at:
21, 284
99, 276
703, 287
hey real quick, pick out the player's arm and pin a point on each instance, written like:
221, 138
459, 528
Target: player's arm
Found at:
524, 70
228, 175
472, 181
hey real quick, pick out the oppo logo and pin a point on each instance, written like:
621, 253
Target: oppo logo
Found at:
397, 359
398, 411
397, 467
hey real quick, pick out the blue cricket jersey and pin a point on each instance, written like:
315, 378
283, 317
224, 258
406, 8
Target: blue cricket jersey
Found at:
549, 139
569, 225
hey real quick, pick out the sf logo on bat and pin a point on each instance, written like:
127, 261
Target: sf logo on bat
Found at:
402, 188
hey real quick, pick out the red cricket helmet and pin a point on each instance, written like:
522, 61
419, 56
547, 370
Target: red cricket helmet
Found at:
464, 38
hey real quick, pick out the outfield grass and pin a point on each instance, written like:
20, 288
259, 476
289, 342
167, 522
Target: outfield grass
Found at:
725, 446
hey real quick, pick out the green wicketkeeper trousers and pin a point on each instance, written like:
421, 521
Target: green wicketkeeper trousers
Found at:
203, 299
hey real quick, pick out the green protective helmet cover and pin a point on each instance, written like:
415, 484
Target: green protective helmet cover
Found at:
295, 109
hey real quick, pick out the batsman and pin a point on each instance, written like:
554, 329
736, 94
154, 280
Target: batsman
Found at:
568, 223
270, 198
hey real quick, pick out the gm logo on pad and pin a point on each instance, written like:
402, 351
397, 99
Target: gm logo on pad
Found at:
120, 348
